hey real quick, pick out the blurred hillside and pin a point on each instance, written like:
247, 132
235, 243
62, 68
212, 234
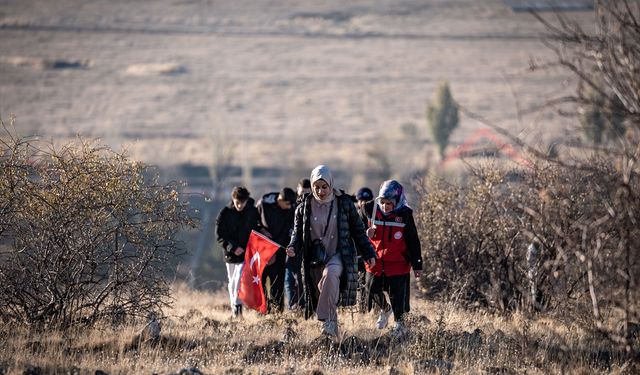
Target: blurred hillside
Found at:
176, 80
226, 92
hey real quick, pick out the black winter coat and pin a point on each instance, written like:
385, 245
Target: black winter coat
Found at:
352, 241
233, 228
275, 220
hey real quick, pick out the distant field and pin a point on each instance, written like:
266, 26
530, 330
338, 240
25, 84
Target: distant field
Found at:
287, 83
283, 85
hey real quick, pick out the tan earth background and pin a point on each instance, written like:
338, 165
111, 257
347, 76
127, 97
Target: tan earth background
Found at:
272, 88
277, 83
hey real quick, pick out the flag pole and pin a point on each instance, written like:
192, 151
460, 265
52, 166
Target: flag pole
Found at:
265, 237
373, 213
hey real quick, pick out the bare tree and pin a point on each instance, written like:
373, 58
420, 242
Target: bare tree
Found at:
606, 60
604, 238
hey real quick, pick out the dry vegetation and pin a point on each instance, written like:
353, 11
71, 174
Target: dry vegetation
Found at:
198, 333
85, 233
529, 270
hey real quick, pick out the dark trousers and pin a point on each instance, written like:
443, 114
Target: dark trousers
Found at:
273, 282
293, 282
363, 288
397, 287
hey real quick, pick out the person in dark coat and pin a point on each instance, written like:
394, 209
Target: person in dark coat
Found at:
276, 218
233, 227
327, 220
394, 235
293, 269
363, 196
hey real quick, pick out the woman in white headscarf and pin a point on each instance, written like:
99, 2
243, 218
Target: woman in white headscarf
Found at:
328, 234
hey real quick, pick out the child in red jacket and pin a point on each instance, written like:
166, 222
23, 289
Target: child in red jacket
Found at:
393, 233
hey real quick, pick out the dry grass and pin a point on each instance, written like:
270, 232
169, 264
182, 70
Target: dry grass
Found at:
197, 332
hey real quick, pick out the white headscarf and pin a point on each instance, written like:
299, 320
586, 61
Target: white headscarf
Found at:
322, 172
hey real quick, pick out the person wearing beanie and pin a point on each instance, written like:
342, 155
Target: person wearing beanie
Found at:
364, 194
328, 234
276, 219
233, 227
393, 232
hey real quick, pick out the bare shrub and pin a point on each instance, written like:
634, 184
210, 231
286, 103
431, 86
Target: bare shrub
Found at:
601, 241
583, 223
588, 218
85, 233
473, 240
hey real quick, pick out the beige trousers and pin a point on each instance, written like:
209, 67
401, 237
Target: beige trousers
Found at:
327, 281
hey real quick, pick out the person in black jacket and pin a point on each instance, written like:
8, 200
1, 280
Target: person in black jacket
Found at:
293, 276
363, 196
233, 227
276, 219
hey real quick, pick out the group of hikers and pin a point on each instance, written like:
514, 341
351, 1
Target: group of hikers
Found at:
335, 250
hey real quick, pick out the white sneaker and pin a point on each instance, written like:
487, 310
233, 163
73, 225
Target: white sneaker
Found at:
399, 330
330, 328
383, 319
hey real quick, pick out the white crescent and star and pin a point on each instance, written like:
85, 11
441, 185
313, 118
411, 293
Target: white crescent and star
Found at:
256, 256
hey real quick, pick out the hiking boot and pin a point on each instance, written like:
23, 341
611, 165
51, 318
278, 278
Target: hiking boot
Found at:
329, 328
383, 319
399, 330
236, 311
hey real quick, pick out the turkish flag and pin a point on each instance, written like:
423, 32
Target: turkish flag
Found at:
259, 251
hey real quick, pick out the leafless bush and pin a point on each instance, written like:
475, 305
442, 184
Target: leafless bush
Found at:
85, 233
583, 223
601, 241
474, 242
589, 218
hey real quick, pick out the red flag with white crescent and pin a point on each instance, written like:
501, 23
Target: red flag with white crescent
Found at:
258, 252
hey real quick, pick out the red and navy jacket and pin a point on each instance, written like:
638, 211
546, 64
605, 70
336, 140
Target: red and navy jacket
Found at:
396, 243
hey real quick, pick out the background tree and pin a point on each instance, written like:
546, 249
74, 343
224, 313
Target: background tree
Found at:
606, 60
86, 234
602, 240
579, 211
442, 116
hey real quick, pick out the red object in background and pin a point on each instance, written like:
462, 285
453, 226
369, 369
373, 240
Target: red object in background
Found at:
259, 251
